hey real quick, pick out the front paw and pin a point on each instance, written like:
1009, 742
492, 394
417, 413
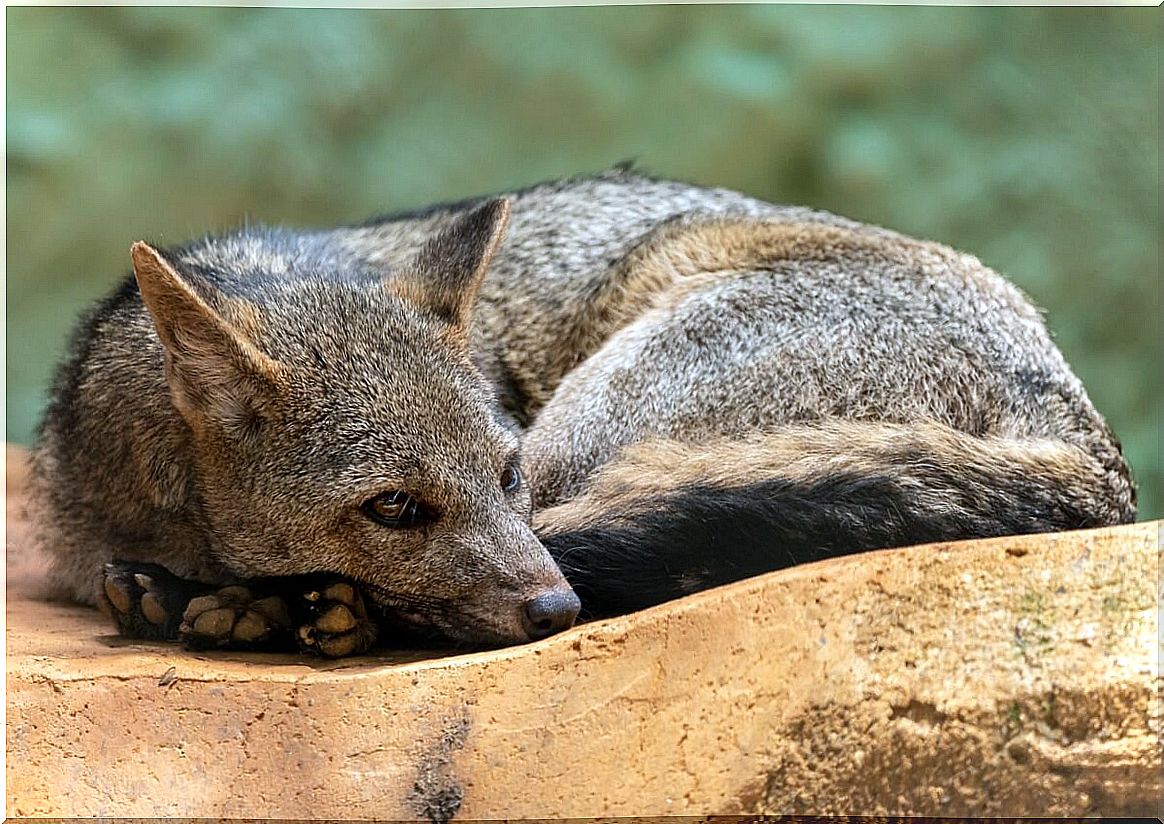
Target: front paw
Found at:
336, 623
233, 618
145, 600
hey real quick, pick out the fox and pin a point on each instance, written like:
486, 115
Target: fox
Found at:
483, 420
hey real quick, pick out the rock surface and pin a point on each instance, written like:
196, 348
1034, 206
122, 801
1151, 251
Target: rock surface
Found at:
1007, 677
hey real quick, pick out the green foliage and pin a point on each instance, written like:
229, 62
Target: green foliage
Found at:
1026, 136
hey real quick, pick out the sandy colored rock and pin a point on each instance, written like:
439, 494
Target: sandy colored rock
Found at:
1003, 677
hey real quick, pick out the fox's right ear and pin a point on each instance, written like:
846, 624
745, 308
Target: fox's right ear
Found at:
216, 374
447, 272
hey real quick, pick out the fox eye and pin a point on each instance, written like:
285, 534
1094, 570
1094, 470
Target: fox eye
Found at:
511, 479
397, 509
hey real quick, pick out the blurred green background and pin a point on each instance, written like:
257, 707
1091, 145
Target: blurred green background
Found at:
1026, 136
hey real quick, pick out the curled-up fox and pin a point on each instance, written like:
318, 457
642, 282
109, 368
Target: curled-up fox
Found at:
481, 419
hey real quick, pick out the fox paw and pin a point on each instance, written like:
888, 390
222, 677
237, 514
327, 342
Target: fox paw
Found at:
336, 623
233, 618
144, 600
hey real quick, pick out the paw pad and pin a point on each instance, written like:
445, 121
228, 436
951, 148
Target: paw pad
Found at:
338, 624
230, 617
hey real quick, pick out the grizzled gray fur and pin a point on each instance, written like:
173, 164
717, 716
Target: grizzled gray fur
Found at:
649, 386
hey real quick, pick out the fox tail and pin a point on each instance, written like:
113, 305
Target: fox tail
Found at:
665, 519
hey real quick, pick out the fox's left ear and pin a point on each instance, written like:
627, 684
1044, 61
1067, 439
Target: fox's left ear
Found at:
445, 275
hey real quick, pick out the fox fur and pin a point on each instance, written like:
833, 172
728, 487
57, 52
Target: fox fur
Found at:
697, 386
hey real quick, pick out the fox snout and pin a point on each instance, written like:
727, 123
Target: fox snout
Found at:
496, 586
545, 602
502, 619
505, 620
535, 611
550, 613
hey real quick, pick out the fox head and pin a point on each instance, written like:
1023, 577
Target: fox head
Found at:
338, 424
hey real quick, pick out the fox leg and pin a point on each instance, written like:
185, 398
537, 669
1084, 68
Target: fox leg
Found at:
319, 614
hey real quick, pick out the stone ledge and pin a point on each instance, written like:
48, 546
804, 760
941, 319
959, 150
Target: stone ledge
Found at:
1004, 677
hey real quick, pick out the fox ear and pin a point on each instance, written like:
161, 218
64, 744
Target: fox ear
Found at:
216, 374
445, 275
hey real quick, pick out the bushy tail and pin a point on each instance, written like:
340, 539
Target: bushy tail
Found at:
666, 519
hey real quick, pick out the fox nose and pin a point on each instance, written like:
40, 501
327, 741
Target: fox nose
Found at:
550, 612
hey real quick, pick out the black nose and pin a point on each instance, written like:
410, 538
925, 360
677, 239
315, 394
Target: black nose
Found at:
550, 612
